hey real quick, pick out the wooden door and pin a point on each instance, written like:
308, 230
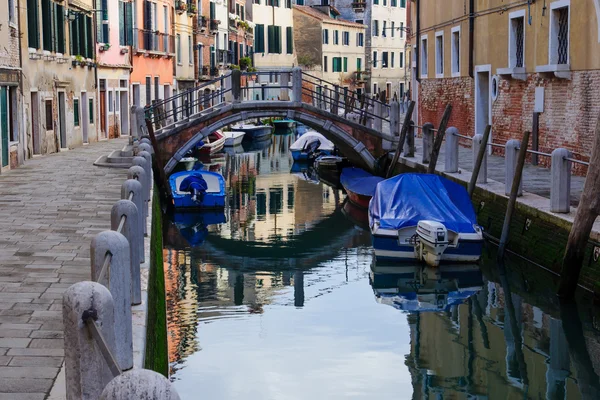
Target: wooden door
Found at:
103, 112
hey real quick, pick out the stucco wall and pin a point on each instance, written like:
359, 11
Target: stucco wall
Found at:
281, 16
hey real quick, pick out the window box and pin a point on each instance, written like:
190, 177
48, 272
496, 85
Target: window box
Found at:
124, 50
104, 47
512, 73
359, 5
561, 71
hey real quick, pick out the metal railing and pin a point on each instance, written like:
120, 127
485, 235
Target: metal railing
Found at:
154, 41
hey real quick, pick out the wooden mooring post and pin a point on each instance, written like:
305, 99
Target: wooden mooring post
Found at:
514, 191
405, 126
587, 211
480, 156
439, 139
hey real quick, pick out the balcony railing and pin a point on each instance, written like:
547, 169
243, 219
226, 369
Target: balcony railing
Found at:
359, 4
203, 22
214, 24
154, 42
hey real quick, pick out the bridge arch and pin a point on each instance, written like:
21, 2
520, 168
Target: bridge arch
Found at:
179, 138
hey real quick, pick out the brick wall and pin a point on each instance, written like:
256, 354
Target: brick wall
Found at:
434, 94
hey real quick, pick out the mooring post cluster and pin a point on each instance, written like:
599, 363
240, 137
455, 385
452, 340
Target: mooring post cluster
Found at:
97, 314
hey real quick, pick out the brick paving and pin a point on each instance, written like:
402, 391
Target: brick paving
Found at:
50, 209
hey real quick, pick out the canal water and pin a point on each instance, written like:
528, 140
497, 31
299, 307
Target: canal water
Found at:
279, 297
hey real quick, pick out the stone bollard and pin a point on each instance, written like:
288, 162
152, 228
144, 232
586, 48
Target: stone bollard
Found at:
560, 191
297, 84
119, 284
129, 186
146, 140
131, 230
427, 142
143, 146
477, 143
140, 119
137, 172
139, 384
378, 111
510, 165
147, 165
86, 371
451, 161
148, 156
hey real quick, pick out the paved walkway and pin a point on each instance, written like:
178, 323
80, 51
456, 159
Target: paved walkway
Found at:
536, 179
50, 209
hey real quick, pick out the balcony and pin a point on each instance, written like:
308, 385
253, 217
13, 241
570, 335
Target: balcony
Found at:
361, 76
154, 43
202, 23
214, 71
180, 6
191, 9
214, 25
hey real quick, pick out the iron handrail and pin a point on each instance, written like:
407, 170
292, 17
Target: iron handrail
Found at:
352, 107
577, 161
173, 111
373, 99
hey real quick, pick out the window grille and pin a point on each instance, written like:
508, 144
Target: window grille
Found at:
563, 35
519, 32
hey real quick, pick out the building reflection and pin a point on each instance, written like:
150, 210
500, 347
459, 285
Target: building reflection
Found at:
492, 344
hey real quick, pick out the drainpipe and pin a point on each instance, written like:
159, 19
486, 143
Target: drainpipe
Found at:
23, 140
471, 36
418, 42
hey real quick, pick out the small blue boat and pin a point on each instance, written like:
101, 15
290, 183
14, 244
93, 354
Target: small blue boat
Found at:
425, 218
359, 185
194, 226
197, 189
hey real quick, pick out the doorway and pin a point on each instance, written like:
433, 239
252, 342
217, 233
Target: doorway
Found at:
124, 112
35, 123
62, 120
483, 108
4, 115
84, 117
136, 94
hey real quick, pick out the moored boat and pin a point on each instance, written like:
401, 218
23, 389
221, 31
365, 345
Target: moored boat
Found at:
212, 143
310, 145
284, 124
197, 189
359, 185
425, 218
254, 132
233, 138
188, 162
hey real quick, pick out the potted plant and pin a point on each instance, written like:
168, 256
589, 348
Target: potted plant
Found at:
192, 9
77, 61
245, 63
104, 47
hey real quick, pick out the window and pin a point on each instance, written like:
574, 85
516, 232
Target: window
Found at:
125, 23
300, 2
385, 2
91, 111
76, 112
336, 64
401, 29
178, 44
156, 86
375, 2
242, 13
375, 89
559, 33
288, 3
33, 29
325, 64
401, 61
11, 12
424, 60
274, 33
325, 36
455, 56
360, 39
393, 29
402, 3
383, 29
166, 16
439, 54
102, 28
394, 3
359, 64
358, 21
516, 39
392, 59
289, 36
81, 36
336, 37
53, 27
148, 90
111, 107
259, 38
256, 1
49, 119
375, 27
190, 51
384, 59
346, 38
345, 64
374, 59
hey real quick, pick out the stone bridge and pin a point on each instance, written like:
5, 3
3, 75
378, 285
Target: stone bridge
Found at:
357, 127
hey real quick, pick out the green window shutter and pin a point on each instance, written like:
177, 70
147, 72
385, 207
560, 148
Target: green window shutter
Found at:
279, 44
271, 38
33, 32
259, 38
121, 23
90, 37
76, 112
375, 1
212, 10
129, 24
72, 37
290, 40
60, 29
82, 39
345, 64
98, 22
46, 26
359, 64
91, 111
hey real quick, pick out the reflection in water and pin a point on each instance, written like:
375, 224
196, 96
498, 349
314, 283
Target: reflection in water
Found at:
283, 301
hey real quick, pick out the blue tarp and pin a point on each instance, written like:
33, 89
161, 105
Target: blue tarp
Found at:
359, 181
406, 199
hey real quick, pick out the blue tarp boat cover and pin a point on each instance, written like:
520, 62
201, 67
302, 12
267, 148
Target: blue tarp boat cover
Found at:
359, 181
406, 199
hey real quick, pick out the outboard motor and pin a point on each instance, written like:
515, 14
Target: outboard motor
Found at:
196, 185
432, 242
